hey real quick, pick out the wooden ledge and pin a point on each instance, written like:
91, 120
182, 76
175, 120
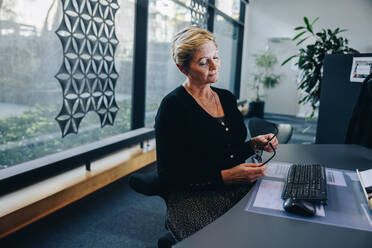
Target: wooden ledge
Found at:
21, 208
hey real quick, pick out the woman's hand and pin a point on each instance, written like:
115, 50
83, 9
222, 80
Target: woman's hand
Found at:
243, 173
261, 142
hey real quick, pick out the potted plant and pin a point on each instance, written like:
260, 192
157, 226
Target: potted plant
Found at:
310, 58
263, 78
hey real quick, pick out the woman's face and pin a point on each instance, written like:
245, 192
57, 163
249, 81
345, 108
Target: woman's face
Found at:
204, 66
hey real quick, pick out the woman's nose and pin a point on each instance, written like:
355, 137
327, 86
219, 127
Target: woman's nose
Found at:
212, 65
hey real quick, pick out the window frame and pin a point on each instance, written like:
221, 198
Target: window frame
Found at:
240, 25
23, 174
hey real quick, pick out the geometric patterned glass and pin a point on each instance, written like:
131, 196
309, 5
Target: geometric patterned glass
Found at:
31, 59
87, 74
199, 13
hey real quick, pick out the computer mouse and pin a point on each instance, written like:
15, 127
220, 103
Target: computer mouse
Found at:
299, 207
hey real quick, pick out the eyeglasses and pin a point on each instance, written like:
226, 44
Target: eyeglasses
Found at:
258, 156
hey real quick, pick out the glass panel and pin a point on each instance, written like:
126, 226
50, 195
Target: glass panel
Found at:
229, 7
30, 95
227, 40
166, 18
187, 2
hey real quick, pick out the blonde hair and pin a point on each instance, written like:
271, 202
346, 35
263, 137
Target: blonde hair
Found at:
187, 41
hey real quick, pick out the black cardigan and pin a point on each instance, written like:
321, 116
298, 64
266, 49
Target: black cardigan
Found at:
192, 146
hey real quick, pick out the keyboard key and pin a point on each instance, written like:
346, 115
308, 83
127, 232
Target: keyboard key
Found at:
306, 182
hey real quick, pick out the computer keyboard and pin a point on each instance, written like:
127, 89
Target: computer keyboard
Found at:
306, 182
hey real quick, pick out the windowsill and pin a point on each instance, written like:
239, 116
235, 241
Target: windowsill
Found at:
24, 206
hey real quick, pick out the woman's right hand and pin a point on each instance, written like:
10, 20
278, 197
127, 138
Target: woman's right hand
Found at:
243, 173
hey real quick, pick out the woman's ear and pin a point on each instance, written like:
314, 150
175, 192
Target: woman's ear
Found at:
182, 69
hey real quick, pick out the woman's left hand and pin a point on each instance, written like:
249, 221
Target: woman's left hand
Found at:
261, 142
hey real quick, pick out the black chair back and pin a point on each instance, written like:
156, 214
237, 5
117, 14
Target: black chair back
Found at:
148, 184
258, 126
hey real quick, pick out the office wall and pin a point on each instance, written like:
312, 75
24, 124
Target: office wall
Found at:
271, 22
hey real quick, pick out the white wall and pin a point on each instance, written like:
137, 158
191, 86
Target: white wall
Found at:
267, 19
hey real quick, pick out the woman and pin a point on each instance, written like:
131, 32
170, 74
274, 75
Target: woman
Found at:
200, 139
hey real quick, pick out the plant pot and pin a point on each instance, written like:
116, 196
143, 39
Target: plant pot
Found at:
256, 109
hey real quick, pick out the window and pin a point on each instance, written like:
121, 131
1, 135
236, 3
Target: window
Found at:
31, 96
227, 40
229, 7
61, 61
166, 18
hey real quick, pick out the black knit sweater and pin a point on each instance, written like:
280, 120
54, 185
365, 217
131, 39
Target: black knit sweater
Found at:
192, 146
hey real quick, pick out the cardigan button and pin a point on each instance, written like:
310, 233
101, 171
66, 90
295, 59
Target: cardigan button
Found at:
227, 129
232, 156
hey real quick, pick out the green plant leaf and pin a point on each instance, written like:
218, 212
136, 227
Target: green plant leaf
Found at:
306, 20
298, 35
270, 81
316, 19
298, 43
308, 25
342, 30
311, 56
299, 28
286, 61
322, 35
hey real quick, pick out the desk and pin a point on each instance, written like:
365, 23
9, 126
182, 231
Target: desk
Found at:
239, 228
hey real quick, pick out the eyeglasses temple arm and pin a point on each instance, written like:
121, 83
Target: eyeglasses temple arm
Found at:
270, 157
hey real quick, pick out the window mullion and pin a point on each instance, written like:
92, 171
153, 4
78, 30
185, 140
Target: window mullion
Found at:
211, 13
239, 53
139, 65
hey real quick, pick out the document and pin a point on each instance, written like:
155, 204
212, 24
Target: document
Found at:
335, 177
361, 68
366, 176
277, 169
269, 196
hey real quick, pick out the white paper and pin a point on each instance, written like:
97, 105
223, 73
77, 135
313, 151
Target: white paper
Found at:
366, 177
360, 69
335, 178
277, 169
269, 196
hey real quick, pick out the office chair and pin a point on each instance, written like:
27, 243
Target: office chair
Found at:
149, 184
258, 126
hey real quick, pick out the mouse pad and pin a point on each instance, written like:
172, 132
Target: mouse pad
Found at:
346, 206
